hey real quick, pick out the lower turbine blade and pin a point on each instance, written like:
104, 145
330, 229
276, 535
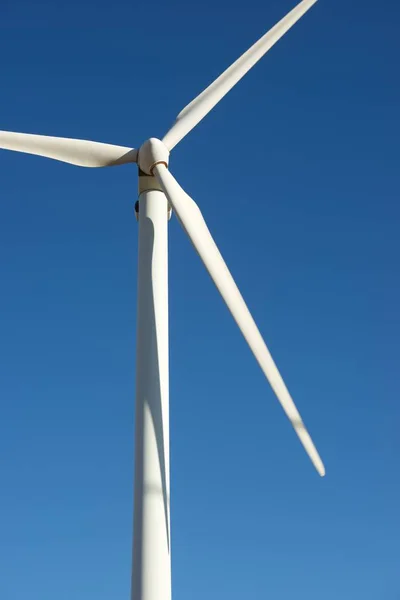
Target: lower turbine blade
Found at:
193, 223
82, 153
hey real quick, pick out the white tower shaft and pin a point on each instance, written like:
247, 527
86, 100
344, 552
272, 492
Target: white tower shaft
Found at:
151, 569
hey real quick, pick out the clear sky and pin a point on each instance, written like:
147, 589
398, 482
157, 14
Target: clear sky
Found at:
297, 173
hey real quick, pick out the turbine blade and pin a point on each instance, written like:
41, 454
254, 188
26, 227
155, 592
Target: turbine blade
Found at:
76, 152
193, 223
194, 112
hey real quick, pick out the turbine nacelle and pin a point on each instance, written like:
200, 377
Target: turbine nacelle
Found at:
153, 152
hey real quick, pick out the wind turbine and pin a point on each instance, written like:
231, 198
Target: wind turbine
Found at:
158, 191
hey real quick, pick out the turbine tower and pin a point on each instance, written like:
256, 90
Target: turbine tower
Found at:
158, 193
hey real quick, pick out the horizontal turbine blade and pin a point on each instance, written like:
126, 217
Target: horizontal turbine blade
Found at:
194, 112
193, 223
76, 152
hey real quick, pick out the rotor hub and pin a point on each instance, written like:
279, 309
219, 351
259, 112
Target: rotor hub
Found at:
153, 152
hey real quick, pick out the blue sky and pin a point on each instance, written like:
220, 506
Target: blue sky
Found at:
297, 174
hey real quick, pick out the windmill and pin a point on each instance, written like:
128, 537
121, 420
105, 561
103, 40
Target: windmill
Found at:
158, 192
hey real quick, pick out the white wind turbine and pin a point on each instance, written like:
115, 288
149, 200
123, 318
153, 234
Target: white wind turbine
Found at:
158, 190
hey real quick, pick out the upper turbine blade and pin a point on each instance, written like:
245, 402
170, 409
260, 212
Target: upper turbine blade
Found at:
194, 112
76, 152
193, 223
